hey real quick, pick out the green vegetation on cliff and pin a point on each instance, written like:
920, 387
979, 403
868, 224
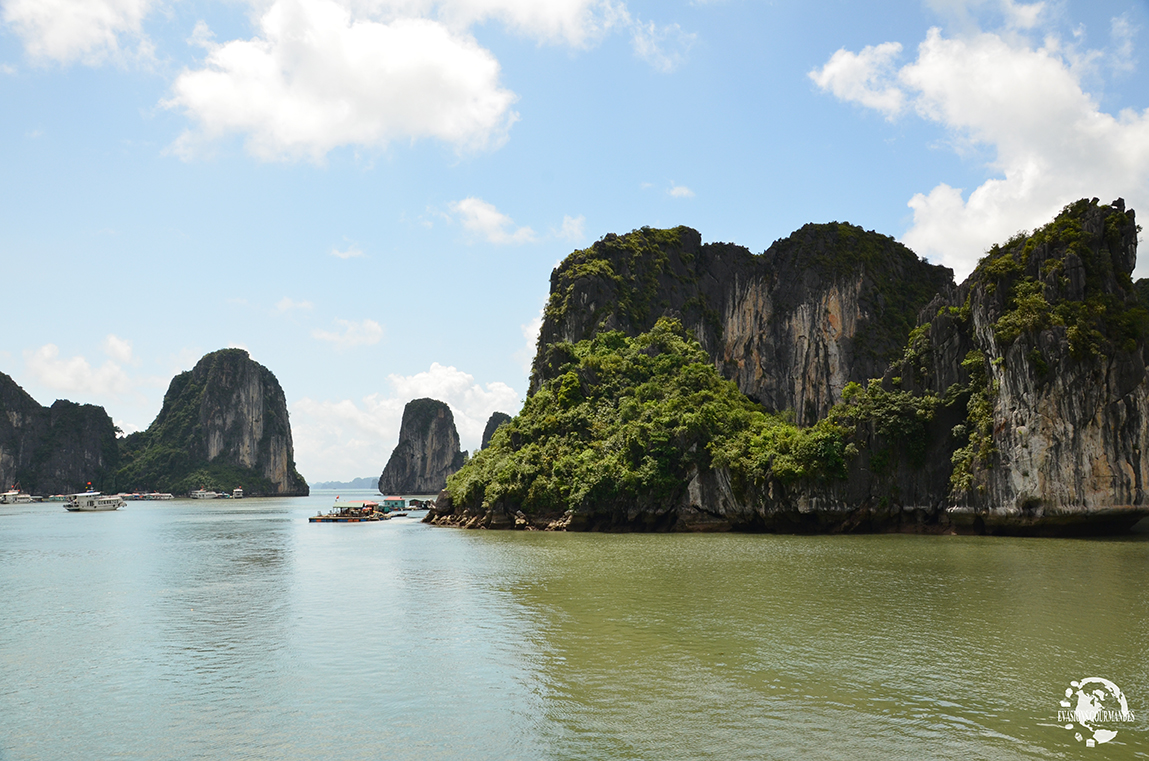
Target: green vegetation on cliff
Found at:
632, 264
1063, 276
626, 422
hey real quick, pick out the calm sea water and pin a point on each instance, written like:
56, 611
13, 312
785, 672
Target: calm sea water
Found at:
236, 630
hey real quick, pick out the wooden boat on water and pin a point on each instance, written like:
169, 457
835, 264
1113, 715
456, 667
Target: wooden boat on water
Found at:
351, 512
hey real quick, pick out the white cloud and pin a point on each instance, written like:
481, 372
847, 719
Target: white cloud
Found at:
1122, 32
126, 427
287, 304
1050, 140
964, 15
90, 31
578, 23
119, 349
664, 47
864, 77
572, 228
76, 375
363, 333
343, 439
680, 191
352, 252
315, 79
484, 219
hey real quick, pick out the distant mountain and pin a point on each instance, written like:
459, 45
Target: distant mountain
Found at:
368, 482
223, 424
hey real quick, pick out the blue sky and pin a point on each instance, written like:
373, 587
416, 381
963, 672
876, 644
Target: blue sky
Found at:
370, 195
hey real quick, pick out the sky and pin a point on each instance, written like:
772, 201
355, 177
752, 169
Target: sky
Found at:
370, 195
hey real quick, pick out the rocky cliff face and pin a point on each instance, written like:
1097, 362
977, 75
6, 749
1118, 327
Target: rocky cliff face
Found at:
1019, 403
427, 452
57, 449
223, 424
792, 326
493, 422
1047, 340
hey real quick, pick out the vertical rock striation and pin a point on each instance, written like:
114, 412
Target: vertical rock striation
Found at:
427, 452
830, 304
55, 449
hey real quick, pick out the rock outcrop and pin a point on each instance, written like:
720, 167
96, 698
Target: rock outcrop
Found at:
427, 452
223, 424
493, 422
53, 450
1018, 403
830, 304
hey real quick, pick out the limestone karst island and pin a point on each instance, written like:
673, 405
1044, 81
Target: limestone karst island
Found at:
223, 426
834, 383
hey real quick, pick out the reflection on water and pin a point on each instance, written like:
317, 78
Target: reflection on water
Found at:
238, 630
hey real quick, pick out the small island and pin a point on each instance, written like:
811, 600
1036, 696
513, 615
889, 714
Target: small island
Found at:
834, 383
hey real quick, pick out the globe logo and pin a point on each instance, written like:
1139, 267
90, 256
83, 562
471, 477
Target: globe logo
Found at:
1093, 708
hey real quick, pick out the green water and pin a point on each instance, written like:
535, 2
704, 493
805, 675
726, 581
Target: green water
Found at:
238, 630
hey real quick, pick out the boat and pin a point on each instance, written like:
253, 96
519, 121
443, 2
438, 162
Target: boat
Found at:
93, 502
237, 493
351, 512
203, 494
156, 495
15, 498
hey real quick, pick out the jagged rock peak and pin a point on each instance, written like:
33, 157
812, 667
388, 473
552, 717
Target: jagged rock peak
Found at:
427, 452
493, 422
830, 304
52, 450
228, 419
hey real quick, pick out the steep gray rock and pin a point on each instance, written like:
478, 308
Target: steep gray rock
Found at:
223, 424
427, 452
493, 422
57, 449
830, 304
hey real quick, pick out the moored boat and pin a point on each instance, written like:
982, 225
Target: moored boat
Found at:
204, 494
93, 502
14, 497
351, 512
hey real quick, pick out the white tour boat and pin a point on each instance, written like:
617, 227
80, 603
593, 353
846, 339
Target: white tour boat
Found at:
15, 498
93, 502
203, 494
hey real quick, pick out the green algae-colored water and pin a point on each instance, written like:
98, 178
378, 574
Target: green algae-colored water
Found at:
237, 630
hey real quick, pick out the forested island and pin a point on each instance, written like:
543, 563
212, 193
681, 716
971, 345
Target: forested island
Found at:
835, 382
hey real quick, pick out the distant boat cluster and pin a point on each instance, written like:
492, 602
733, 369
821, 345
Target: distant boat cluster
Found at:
16, 497
236, 493
361, 511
